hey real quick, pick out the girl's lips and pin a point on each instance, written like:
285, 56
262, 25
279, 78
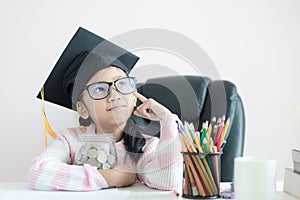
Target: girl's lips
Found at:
115, 107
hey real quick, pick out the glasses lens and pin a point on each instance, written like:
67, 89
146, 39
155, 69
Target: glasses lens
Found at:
125, 85
98, 90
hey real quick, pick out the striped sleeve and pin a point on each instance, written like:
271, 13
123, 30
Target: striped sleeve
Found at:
161, 165
53, 169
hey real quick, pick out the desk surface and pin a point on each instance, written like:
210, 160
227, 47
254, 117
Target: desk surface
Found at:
19, 191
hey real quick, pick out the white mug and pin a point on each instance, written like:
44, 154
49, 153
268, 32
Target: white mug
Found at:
254, 178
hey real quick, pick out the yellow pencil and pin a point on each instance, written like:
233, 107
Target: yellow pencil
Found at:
194, 172
196, 138
186, 144
188, 136
209, 174
201, 170
209, 129
191, 177
225, 128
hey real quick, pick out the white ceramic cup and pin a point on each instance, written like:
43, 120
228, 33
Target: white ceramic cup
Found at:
254, 178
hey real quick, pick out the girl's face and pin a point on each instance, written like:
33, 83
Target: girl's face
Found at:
112, 111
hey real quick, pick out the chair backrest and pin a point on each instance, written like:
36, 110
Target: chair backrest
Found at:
197, 99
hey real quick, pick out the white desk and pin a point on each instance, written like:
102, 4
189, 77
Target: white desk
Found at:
19, 191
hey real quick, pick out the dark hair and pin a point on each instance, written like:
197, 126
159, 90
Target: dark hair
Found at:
134, 140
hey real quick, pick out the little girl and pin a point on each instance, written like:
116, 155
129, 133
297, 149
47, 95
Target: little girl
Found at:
92, 78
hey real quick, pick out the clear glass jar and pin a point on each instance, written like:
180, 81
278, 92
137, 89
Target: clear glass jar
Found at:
97, 150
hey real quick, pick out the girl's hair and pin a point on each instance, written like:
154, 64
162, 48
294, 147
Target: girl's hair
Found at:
134, 140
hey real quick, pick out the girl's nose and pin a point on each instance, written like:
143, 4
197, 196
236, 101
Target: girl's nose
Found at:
113, 94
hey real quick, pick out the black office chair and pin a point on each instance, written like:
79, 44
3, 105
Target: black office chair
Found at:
197, 99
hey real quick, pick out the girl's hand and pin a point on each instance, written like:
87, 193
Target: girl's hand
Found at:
119, 176
150, 109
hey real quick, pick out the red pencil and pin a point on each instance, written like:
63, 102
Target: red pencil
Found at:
219, 138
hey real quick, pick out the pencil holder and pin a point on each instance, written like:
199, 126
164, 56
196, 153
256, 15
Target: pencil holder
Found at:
201, 175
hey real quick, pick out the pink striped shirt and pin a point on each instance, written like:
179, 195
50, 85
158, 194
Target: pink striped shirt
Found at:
159, 167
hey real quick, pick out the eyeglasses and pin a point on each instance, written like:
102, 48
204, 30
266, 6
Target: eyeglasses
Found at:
100, 90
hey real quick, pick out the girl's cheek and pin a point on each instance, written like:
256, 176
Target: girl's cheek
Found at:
131, 99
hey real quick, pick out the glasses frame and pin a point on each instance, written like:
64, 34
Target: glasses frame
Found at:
109, 86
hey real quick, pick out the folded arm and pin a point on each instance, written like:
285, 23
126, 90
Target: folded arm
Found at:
52, 169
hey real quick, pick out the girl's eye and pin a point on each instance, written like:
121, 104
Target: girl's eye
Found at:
122, 83
99, 90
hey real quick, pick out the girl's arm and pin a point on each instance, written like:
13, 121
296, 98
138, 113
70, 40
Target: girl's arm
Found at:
162, 163
120, 176
52, 169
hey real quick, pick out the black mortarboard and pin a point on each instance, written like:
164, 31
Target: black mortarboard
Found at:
85, 54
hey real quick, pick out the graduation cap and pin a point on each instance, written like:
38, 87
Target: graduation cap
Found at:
85, 55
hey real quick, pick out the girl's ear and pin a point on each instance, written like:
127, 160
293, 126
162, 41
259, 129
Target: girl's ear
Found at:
82, 111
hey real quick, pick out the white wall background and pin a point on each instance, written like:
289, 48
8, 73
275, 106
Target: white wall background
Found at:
255, 44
